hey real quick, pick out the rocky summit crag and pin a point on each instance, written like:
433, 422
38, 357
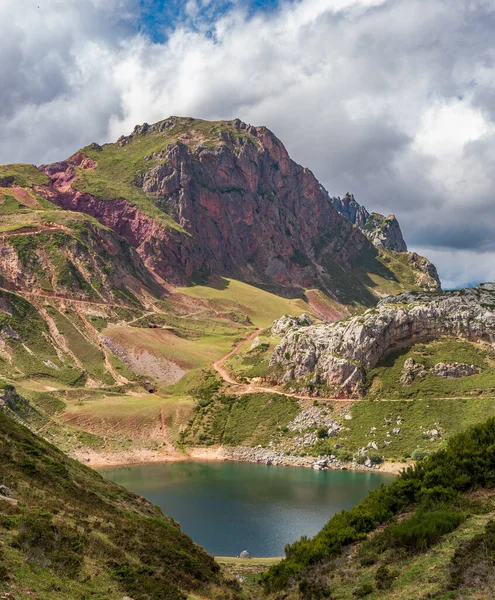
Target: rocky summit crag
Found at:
383, 232
337, 356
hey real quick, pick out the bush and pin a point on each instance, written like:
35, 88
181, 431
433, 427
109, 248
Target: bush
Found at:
322, 433
375, 458
363, 590
423, 529
384, 578
313, 590
419, 454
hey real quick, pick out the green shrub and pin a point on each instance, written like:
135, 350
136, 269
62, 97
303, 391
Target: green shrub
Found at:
363, 590
322, 433
375, 458
384, 578
313, 590
419, 532
419, 454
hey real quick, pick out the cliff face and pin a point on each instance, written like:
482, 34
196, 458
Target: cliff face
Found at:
242, 206
197, 198
383, 232
352, 210
339, 354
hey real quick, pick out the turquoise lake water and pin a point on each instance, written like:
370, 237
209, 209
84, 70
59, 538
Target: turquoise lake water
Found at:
228, 507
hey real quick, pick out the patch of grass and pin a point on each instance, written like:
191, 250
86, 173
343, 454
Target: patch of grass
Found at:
260, 306
253, 362
448, 417
246, 420
23, 175
384, 380
163, 343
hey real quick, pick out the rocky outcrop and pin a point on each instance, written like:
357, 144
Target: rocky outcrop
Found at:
352, 210
455, 370
335, 357
411, 371
282, 325
383, 232
426, 273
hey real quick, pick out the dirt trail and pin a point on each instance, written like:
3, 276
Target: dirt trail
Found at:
218, 365
241, 389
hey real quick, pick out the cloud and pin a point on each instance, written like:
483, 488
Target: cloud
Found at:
393, 100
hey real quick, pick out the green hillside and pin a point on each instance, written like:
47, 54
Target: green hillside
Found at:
431, 534
68, 533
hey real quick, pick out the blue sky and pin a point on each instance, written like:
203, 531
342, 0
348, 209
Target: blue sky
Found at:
158, 18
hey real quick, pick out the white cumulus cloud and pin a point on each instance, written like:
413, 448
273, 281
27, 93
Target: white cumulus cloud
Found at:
393, 100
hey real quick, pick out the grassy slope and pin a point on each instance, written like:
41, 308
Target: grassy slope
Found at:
165, 344
261, 307
384, 379
75, 535
412, 534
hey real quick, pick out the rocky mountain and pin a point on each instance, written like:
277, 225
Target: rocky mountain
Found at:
383, 232
195, 198
337, 356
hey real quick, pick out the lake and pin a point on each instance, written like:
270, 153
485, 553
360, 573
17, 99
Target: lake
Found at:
228, 507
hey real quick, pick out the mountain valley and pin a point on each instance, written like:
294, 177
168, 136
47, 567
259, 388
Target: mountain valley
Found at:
190, 291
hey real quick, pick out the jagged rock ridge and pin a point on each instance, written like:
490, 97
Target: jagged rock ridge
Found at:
338, 355
383, 232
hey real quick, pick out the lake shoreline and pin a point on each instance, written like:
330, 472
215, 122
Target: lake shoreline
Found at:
103, 460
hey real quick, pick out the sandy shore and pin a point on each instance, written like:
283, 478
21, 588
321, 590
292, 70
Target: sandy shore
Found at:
101, 460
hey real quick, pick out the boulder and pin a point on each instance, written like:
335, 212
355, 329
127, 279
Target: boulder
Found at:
454, 370
244, 554
411, 371
5, 491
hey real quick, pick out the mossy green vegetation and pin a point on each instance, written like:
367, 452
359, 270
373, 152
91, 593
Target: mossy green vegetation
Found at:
429, 506
384, 380
246, 420
23, 175
71, 534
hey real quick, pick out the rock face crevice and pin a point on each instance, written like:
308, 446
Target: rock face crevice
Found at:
338, 355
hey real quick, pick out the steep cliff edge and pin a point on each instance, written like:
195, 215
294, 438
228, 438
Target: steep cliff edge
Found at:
337, 356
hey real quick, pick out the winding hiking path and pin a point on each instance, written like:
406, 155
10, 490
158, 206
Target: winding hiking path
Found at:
218, 365
240, 388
